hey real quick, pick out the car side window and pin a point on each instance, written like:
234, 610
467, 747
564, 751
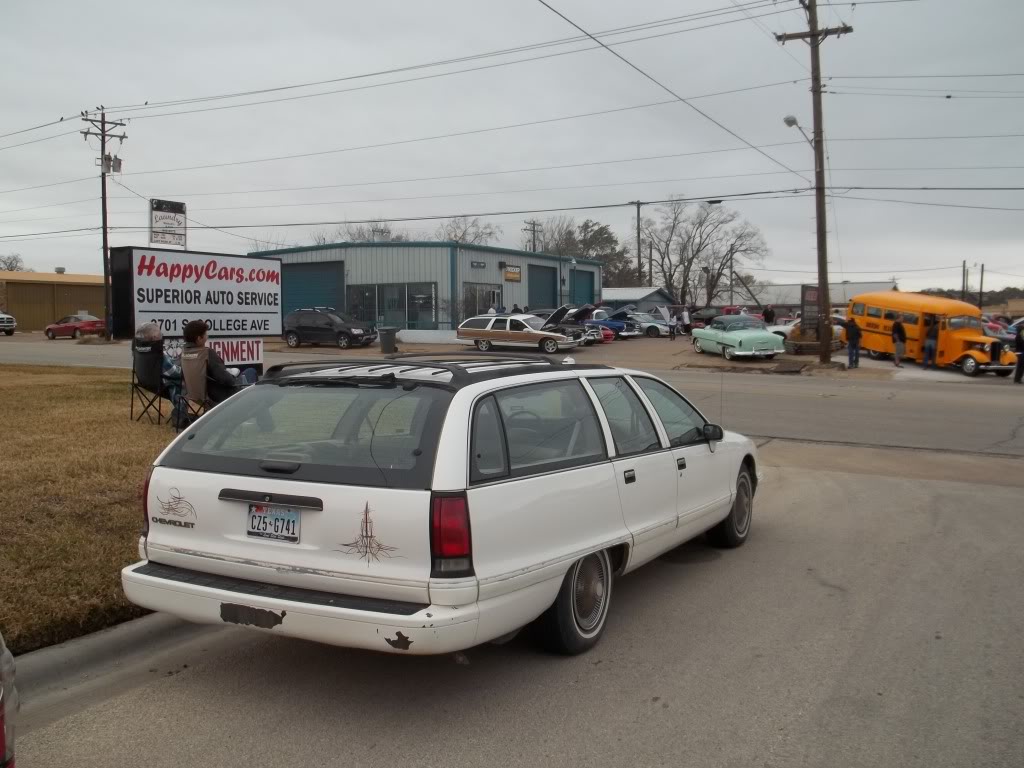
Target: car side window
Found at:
874, 312
549, 426
322, 321
910, 318
718, 326
487, 447
500, 325
858, 309
517, 325
631, 426
476, 323
682, 422
891, 314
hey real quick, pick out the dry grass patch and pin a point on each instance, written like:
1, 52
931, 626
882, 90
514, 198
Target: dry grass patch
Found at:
70, 511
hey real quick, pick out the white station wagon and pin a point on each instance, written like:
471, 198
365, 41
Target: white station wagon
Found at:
427, 505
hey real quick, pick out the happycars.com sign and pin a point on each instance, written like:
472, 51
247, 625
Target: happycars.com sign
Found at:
235, 295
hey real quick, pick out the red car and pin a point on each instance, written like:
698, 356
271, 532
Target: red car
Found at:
606, 335
76, 326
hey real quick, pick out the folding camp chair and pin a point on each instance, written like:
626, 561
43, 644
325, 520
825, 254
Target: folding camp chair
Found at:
149, 385
194, 399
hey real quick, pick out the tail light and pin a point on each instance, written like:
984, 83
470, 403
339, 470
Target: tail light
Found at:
145, 503
451, 547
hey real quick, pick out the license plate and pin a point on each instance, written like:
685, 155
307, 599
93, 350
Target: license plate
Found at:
277, 523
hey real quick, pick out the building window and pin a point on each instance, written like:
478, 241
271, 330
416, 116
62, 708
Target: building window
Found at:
401, 305
361, 302
422, 303
477, 298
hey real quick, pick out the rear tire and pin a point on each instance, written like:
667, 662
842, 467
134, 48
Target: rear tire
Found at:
875, 355
653, 333
549, 345
292, 339
576, 620
76, 334
483, 345
735, 529
344, 341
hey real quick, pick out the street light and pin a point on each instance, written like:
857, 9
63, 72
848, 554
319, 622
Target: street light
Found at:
824, 299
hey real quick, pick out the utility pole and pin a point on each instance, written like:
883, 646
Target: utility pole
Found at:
639, 252
107, 163
981, 288
532, 227
650, 261
732, 277
814, 37
963, 281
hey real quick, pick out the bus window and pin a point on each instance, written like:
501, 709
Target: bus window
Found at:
874, 312
890, 314
910, 318
858, 309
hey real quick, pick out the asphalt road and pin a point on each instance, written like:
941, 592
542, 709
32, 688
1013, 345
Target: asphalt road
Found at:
873, 619
949, 412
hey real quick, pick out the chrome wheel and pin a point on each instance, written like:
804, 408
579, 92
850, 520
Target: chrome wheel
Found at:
344, 341
969, 366
591, 591
549, 345
483, 345
697, 346
292, 339
744, 505
727, 353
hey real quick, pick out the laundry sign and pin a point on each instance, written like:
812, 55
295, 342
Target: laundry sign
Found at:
167, 225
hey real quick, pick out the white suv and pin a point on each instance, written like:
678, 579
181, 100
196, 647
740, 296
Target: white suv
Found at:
426, 505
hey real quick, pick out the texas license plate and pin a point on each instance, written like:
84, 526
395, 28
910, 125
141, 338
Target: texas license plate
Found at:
277, 523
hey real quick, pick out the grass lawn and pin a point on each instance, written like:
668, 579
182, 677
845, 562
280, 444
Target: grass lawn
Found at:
70, 510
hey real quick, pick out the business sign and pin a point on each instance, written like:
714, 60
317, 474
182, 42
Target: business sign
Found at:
478, 264
809, 310
513, 274
234, 295
167, 224
234, 352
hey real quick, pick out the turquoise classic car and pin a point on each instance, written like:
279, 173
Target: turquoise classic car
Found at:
738, 336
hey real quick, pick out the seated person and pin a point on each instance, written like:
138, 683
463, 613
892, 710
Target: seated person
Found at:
220, 383
149, 333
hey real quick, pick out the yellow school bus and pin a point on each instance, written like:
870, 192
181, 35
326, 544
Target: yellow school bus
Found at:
962, 341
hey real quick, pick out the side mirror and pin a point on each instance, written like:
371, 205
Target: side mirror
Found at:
713, 433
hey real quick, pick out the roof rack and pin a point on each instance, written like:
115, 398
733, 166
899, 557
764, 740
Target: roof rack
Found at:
478, 366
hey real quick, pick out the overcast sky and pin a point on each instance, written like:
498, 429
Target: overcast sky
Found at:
62, 57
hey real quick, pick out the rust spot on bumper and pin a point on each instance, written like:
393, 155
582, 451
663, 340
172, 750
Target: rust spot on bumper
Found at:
248, 616
400, 643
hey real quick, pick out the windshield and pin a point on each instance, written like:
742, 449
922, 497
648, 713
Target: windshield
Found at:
964, 321
534, 322
353, 433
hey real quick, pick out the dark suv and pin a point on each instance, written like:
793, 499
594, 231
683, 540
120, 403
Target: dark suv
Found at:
324, 325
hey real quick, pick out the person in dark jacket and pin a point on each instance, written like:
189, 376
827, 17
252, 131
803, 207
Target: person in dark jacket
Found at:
769, 315
852, 343
1018, 347
899, 342
931, 342
220, 382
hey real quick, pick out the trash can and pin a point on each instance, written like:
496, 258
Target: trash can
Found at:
388, 337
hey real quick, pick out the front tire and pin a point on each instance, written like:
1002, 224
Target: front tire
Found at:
483, 345
727, 353
292, 339
344, 341
652, 332
549, 345
697, 346
8, 333
576, 620
969, 366
734, 530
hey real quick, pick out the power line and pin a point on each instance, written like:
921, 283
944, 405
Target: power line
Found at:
665, 88
929, 204
36, 141
44, 186
946, 97
926, 77
187, 217
456, 134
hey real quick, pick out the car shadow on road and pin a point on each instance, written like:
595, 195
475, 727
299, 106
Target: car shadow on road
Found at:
692, 552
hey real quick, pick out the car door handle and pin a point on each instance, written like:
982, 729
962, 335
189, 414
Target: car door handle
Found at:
630, 476
680, 463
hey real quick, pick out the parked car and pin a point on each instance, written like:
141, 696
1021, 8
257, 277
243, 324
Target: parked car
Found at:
605, 333
738, 336
785, 330
558, 324
75, 327
702, 317
648, 324
432, 505
489, 331
588, 314
8, 324
8, 706
324, 325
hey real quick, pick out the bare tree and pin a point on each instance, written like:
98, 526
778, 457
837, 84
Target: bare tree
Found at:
557, 236
462, 229
671, 267
373, 232
12, 262
736, 242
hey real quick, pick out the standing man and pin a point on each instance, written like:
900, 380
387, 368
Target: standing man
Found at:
1018, 347
899, 341
515, 309
673, 320
769, 315
931, 341
687, 326
852, 343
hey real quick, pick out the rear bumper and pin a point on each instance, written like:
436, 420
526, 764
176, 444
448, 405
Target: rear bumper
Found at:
375, 625
630, 334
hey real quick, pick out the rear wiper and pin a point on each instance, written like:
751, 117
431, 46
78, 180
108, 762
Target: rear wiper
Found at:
387, 380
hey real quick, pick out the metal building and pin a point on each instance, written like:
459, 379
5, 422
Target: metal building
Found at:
37, 299
430, 286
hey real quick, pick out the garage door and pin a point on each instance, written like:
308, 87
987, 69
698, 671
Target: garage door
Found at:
313, 285
542, 286
581, 289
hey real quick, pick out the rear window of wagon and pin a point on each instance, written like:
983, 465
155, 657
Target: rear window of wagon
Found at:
368, 434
